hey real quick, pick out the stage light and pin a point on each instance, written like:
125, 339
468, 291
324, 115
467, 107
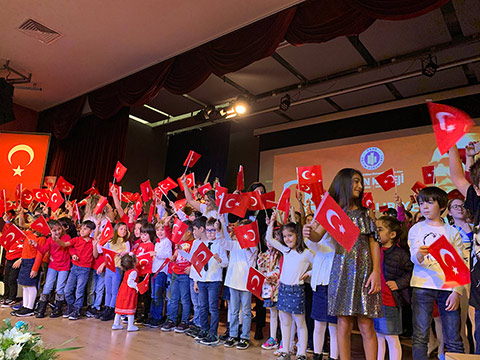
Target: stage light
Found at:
285, 102
241, 105
429, 66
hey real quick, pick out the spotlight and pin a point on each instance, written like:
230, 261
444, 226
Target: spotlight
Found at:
429, 66
241, 105
285, 102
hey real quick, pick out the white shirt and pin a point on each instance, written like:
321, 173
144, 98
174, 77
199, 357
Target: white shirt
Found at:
208, 213
163, 250
322, 262
295, 264
215, 269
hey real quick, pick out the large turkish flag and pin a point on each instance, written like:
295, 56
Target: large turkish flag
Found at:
22, 160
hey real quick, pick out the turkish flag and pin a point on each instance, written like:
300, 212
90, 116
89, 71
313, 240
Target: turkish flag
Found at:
200, 257
83, 202
107, 234
455, 270
284, 202
449, 125
119, 172
41, 226
56, 200
102, 202
22, 159
383, 208
49, 182
167, 260
191, 159
41, 195
180, 204
109, 259
151, 212
190, 181
143, 286
386, 180
144, 265
27, 197
167, 185
92, 190
247, 235
147, 192
138, 208
255, 200
128, 197
268, 200
10, 235
331, 216
204, 188
367, 200
178, 230
114, 188
240, 179
236, 204
75, 213
309, 175
417, 187
219, 192
428, 173
255, 282
64, 186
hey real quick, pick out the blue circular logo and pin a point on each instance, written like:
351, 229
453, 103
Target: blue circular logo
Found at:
372, 158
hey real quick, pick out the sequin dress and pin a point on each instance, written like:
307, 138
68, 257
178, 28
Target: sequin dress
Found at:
347, 294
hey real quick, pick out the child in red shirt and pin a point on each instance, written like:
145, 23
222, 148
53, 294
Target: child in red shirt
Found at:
10, 275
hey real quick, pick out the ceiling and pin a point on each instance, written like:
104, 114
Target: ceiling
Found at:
103, 41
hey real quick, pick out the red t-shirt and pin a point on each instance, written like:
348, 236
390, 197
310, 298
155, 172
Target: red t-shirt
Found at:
387, 296
179, 265
144, 248
59, 256
15, 250
84, 250
98, 261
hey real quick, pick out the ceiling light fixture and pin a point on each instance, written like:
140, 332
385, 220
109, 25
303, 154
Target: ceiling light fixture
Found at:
241, 105
285, 102
429, 66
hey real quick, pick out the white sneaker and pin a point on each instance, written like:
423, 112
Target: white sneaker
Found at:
132, 328
117, 327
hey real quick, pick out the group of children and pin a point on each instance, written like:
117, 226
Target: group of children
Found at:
309, 277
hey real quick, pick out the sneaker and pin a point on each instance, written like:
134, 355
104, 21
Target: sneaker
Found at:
193, 331
8, 303
140, 320
283, 356
132, 328
279, 350
124, 319
68, 312
225, 335
310, 350
243, 344
152, 323
301, 357
75, 315
24, 312
117, 327
230, 342
168, 326
91, 313
210, 340
182, 327
270, 344
202, 334
17, 306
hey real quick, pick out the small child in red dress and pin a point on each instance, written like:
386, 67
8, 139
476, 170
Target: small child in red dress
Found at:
127, 294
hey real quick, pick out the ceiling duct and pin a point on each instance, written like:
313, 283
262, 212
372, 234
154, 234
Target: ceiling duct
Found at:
40, 32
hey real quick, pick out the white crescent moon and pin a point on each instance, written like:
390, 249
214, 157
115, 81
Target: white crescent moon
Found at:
255, 203
227, 203
203, 257
441, 120
53, 197
67, 189
117, 170
173, 228
106, 232
28, 197
443, 253
258, 281
21, 147
390, 175
108, 258
189, 181
164, 187
305, 176
306, 188
8, 235
143, 261
254, 236
37, 195
368, 202
331, 213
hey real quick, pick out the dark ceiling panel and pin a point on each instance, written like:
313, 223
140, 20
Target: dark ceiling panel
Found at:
146, 114
305, 111
468, 13
214, 91
173, 104
365, 97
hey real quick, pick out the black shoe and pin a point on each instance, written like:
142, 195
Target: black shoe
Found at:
182, 327
75, 315
317, 356
140, 320
168, 326
210, 340
41, 307
91, 313
301, 357
109, 314
69, 311
225, 335
153, 323
100, 313
243, 344
24, 312
230, 342
193, 331
202, 334
57, 312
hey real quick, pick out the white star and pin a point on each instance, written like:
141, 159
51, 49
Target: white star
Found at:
18, 171
245, 236
342, 229
237, 204
455, 270
386, 181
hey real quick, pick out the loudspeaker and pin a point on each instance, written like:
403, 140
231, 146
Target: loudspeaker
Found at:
6, 103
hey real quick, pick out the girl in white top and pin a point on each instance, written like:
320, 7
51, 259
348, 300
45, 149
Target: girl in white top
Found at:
297, 259
209, 209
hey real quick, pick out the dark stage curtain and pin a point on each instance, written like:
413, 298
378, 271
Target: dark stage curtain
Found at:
90, 152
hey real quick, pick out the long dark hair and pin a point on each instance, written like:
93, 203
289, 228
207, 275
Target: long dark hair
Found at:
341, 188
297, 229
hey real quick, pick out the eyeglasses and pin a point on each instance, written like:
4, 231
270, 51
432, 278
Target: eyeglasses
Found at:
458, 207
210, 230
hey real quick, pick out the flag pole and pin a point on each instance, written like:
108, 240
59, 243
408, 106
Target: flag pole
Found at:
395, 181
188, 163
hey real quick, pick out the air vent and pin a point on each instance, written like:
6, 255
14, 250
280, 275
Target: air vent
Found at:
38, 31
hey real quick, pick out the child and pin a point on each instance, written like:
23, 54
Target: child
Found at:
127, 294
12, 267
396, 275
58, 268
297, 259
81, 251
209, 208
209, 282
428, 277
268, 264
163, 251
354, 285
120, 245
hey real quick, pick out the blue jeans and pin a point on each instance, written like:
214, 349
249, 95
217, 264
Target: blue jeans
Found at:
98, 289
61, 278
76, 283
112, 284
422, 306
180, 291
158, 289
196, 305
240, 298
208, 293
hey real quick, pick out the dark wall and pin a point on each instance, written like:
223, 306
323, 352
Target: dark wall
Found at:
25, 120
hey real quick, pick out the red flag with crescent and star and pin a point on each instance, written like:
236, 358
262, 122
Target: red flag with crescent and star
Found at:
10, 235
109, 258
452, 264
56, 200
417, 187
22, 160
41, 195
191, 159
178, 230
247, 235
268, 200
167, 185
204, 188
144, 265
102, 202
367, 200
336, 222
284, 201
200, 257
219, 192
255, 200
255, 282
107, 234
119, 172
428, 173
146, 189
64, 186
386, 180
27, 197
143, 286
240, 179
190, 181
41, 226
236, 204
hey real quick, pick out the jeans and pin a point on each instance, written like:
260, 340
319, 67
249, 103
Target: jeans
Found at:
244, 298
76, 283
112, 284
208, 293
196, 305
422, 305
180, 291
98, 289
60, 277
158, 289
10, 280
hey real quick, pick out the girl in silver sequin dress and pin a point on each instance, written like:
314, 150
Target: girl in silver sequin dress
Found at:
354, 287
